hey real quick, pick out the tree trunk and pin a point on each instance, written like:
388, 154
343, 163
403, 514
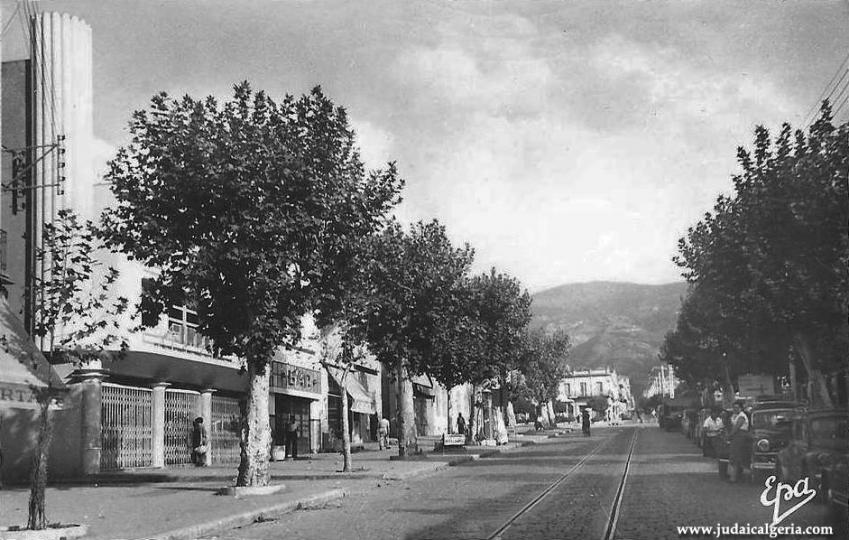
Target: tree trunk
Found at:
448, 411
256, 431
36, 519
471, 428
815, 376
407, 440
346, 430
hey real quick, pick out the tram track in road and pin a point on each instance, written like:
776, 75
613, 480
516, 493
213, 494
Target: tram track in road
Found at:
613, 516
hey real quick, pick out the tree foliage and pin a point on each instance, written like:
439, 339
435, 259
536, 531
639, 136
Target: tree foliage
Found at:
544, 364
249, 210
413, 287
76, 313
769, 264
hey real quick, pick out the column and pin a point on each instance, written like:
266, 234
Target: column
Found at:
158, 415
90, 385
206, 414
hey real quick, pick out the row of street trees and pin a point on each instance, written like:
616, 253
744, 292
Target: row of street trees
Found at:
256, 212
768, 266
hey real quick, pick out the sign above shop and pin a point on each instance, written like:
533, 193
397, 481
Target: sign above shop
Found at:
295, 380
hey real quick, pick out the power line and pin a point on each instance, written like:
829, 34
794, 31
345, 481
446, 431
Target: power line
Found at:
838, 76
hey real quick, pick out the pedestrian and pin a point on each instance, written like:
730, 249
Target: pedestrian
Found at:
712, 428
383, 433
199, 442
292, 436
461, 424
741, 444
585, 422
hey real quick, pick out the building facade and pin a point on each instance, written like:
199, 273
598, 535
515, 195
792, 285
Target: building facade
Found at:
580, 386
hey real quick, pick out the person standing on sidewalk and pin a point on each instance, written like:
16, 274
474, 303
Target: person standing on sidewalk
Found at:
292, 436
199, 442
712, 427
383, 433
741, 444
461, 424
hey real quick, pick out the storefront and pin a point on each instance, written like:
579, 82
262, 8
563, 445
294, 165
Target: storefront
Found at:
362, 407
295, 391
424, 404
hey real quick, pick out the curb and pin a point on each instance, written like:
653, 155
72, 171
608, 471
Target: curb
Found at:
246, 518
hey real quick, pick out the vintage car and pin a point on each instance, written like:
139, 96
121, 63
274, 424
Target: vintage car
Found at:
770, 423
819, 450
837, 484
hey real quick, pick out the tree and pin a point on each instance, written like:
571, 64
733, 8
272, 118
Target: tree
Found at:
544, 366
76, 319
414, 284
774, 254
483, 334
247, 209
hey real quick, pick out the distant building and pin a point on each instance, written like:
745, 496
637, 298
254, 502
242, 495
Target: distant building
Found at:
580, 386
662, 382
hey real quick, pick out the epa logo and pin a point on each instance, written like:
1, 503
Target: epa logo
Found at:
800, 493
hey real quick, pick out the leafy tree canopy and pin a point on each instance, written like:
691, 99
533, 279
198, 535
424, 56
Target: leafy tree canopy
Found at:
412, 289
544, 364
773, 255
250, 209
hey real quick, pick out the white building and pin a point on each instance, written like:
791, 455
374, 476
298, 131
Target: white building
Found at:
580, 386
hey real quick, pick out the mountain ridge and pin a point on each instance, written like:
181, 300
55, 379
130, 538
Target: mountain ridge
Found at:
611, 323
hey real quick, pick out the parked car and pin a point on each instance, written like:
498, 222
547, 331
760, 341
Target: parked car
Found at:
670, 417
819, 450
837, 485
770, 428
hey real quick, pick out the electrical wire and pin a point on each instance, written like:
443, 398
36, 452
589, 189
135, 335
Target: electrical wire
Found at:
840, 76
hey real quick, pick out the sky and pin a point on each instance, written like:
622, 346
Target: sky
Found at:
565, 141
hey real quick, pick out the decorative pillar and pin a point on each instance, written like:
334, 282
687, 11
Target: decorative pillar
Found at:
158, 418
90, 384
206, 414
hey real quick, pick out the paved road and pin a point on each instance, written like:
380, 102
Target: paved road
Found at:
668, 484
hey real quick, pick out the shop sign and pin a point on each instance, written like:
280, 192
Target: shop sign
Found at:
17, 395
286, 377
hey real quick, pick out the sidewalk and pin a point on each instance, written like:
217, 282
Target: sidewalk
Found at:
182, 502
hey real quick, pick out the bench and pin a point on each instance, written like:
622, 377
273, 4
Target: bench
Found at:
453, 440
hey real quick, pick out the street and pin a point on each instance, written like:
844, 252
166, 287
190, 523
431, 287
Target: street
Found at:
565, 487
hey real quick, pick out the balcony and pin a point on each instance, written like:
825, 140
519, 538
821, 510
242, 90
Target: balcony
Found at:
182, 337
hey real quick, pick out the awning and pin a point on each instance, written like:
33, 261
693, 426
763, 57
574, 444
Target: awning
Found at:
362, 400
23, 369
423, 385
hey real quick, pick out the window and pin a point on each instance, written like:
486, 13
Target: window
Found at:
583, 389
599, 387
568, 390
182, 327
